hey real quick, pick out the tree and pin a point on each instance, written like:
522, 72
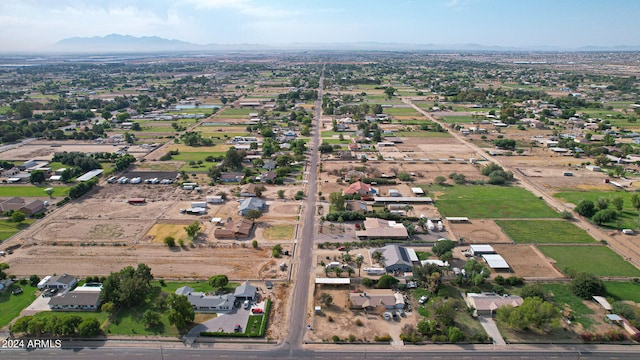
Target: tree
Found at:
218, 281
254, 244
276, 251
377, 255
49, 191
387, 282
109, 308
180, 312
586, 208
602, 160
586, 285
618, 202
89, 327
253, 214
455, 335
170, 241
534, 313
476, 272
280, 194
151, 318
604, 216
193, 230
34, 280
635, 201
443, 246
17, 216
37, 177
390, 91
602, 203
532, 290
326, 299
440, 180
337, 201
359, 262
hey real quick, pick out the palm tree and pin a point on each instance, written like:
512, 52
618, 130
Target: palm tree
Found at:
408, 209
326, 271
321, 223
377, 255
350, 271
359, 261
338, 271
331, 227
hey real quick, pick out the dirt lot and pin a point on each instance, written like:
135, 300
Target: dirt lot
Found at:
44, 150
338, 319
103, 233
479, 232
527, 261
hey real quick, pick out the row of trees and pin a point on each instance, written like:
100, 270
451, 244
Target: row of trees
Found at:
57, 325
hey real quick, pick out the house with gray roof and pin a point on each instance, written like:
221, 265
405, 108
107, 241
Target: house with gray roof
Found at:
245, 292
81, 299
60, 282
396, 258
202, 302
251, 203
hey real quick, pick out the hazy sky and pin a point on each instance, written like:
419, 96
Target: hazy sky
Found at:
36, 24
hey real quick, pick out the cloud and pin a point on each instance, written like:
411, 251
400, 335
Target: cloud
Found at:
245, 7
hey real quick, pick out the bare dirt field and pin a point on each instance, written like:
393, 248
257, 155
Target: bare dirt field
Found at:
338, 319
44, 150
480, 232
527, 261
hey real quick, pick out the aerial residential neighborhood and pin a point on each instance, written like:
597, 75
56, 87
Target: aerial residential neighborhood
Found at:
303, 202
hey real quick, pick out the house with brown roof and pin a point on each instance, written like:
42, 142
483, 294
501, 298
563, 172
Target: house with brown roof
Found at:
19, 204
235, 229
231, 177
486, 304
376, 298
359, 188
375, 228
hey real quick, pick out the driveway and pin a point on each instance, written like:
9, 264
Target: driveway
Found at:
491, 328
225, 321
38, 305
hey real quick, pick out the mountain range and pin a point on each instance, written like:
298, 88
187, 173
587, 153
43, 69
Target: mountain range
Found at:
116, 43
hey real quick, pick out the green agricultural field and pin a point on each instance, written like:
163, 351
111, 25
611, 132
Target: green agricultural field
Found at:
488, 201
544, 232
32, 191
9, 228
427, 134
236, 113
12, 305
624, 290
561, 295
328, 134
599, 260
4, 109
336, 141
458, 119
402, 112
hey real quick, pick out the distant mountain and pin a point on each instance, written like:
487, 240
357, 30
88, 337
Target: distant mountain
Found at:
131, 44
115, 43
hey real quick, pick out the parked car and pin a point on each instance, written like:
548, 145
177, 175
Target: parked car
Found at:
257, 311
17, 291
341, 248
237, 328
246, 304
387, 315
423, 299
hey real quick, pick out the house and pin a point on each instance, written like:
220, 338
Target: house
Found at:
396, 258
235, 229
84, 298
269, 164
33, 207
245, 292
231, 177
376, 298
60, 282
382, 229
214, 199
486, 304
359, 188
19, 204
249, 191
267, 177
251, 203
202, 302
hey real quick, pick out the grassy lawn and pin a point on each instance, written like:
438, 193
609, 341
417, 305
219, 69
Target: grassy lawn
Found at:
12, 305
561, 295
544, 232
32, 191
488, 201
236, 113
253, 325
329, 134
336, 141
624, 290
402, 112
458, 119
423, 255
599, 260
101, 316
279, 232
4, 109
9, 228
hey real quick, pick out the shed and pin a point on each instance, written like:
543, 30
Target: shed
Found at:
412, 255
333, 281
603, 302
90, 175
481, 249
245, 291
457, 219
495, 261
417, 191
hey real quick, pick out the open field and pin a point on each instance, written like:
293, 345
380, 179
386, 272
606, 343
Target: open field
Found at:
484, 231
44, 150
628, 290
32, 191
9, 228
12, 305
526, 261
561, 295
458, 119
161, 231
599, 260
544, 232
488, 201
628, 215
278, 232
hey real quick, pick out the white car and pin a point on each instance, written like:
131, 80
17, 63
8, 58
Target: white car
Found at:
423, 299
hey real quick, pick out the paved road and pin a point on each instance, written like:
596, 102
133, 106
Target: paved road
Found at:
618, 246
304, 247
